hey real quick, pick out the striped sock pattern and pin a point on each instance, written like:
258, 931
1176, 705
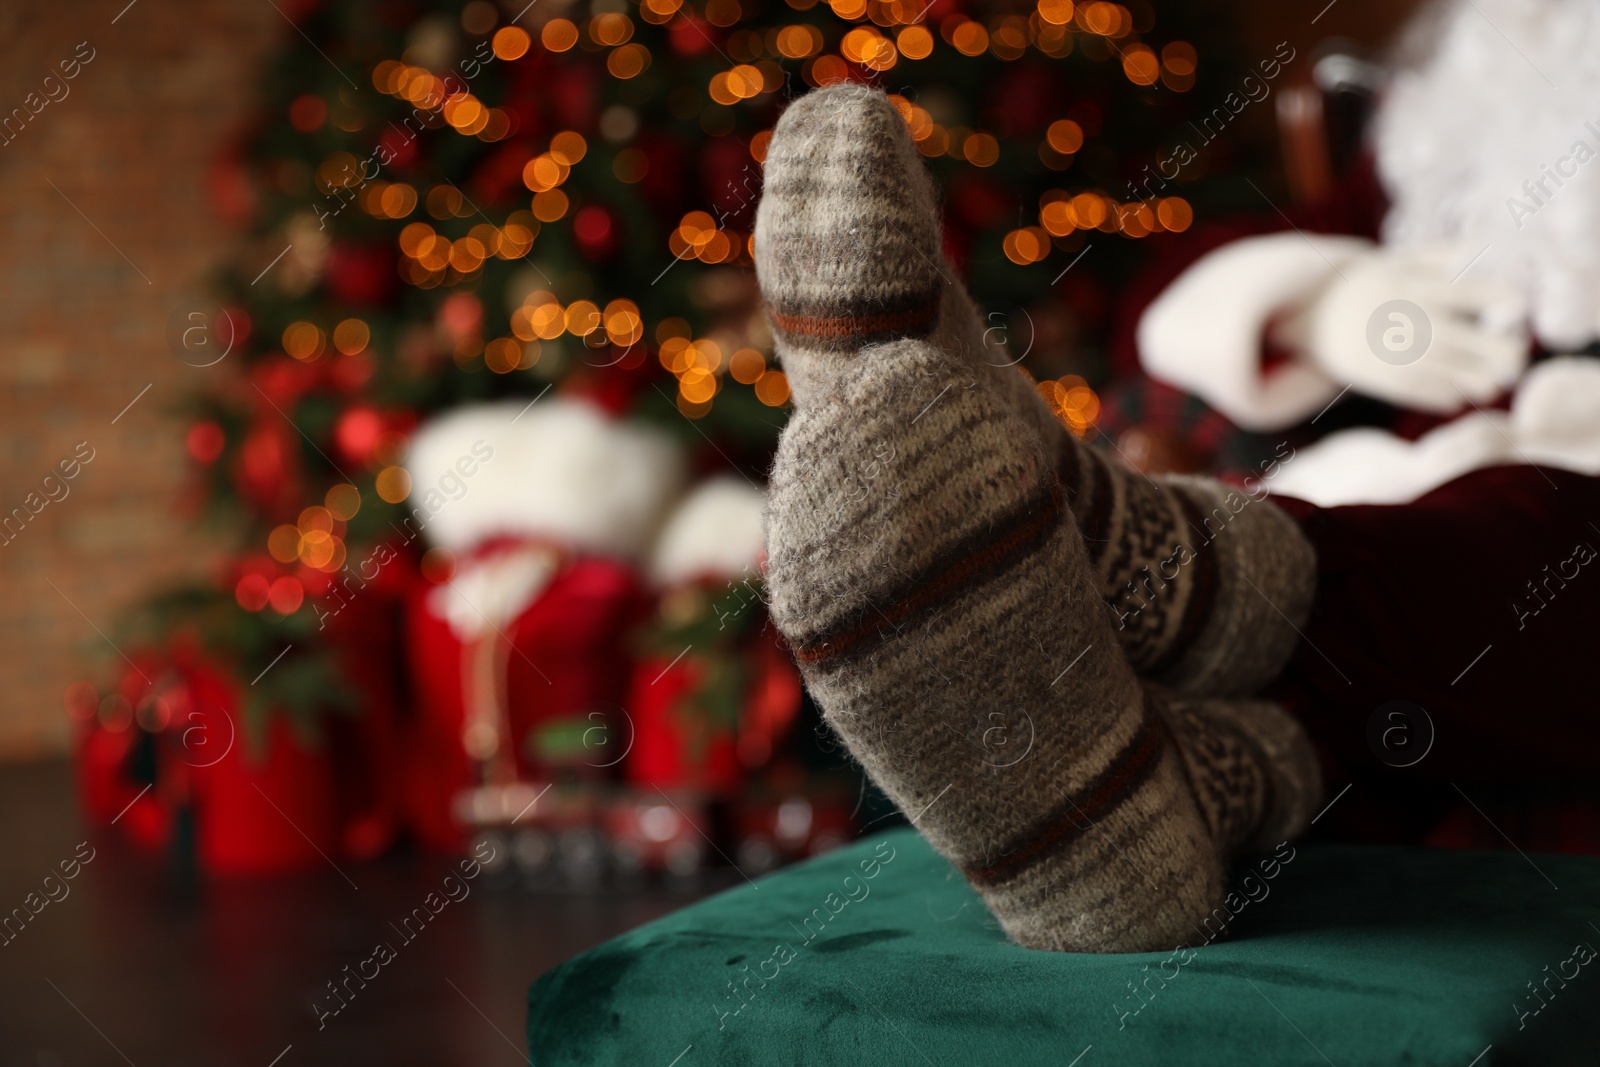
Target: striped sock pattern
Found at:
1248, 765
848, 248
926, 617
1206, 587
923, 568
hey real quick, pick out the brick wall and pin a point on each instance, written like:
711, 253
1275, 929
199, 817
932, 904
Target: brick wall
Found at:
104, 225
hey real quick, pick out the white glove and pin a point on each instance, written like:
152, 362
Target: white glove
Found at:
1395, 326
1203, 333
1555, 416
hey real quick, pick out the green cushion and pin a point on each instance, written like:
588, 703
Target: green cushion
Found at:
1338, 954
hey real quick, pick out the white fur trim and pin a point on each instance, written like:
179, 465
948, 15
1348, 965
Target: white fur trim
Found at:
1372, 466
717, 532
1556, 414
486, 594
1554, 422
560, 469
1461, 131
1203, 333
1362, 465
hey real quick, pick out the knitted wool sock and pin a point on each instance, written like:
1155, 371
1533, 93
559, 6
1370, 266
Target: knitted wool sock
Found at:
941, 600
1207, 586
1249, 766
922, 568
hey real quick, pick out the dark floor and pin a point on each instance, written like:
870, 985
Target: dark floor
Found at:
132, 967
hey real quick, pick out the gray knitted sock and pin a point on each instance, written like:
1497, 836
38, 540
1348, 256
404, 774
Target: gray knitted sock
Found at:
1249, 766
921, 566
1206, 586
950, 592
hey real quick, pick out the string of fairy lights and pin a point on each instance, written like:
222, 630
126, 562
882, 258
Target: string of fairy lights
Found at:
885, 34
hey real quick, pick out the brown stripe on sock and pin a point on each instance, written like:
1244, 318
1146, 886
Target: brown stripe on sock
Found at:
1202, 594
968, 563
852, 330
1128, 770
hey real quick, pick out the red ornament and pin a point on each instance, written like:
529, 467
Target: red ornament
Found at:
238, 325
691, 36
204, 441
251, 592
361, 275
267, 469
286, 594
357, 434
282, 381
228, 180
461, 316
596, 232
315, 582
308, 112
398, 146
349, 373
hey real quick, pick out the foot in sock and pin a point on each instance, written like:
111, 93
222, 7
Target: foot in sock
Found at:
922, 566
1206, 585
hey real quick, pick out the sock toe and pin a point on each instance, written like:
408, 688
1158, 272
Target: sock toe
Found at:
847, 238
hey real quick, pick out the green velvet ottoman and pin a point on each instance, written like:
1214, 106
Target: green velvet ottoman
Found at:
880, 954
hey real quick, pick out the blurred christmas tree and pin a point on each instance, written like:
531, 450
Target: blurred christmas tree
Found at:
452, 202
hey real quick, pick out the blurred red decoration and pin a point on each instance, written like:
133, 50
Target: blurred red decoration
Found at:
398, 146
308, 112
251, 592
350, 373
286, 594
461, 316
357, 434
596, 231
266, 469
560, 658
362, 275
204, 441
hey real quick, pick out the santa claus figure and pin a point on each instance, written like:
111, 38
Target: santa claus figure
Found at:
590, 654
1483, 140
1454, 535
539, 517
